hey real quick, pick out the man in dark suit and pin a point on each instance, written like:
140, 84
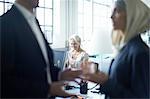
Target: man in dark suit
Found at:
27, 68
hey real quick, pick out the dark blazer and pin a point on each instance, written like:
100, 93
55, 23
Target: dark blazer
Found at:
23, 68
129, 74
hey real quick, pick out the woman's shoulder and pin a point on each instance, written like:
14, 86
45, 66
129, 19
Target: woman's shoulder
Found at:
84, 53
137, 45
70, 52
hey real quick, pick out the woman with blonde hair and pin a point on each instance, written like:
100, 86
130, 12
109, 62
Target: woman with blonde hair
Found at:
129, 72
76, 55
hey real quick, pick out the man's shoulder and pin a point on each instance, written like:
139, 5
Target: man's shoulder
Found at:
8, 15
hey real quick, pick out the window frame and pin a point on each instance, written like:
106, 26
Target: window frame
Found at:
11, 2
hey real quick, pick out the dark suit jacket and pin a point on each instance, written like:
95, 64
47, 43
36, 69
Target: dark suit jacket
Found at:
129, 74
23, 68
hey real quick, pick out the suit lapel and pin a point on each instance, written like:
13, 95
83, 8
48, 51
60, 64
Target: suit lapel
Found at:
25, 29
48, 49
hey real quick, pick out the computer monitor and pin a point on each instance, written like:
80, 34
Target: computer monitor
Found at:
59, 58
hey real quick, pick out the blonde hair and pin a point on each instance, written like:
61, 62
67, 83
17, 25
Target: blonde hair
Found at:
76, 38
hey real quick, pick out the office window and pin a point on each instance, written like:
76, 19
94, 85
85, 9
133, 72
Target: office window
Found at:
94, 25
85, 19
93, 15
44, 14
5, 5
101, 15
2, 8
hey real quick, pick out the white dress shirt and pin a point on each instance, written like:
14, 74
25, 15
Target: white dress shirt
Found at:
34, 27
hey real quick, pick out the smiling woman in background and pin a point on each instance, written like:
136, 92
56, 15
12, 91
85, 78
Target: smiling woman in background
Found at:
76, 55
129, 72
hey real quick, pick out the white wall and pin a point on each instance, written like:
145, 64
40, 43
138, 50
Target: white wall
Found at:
101, 42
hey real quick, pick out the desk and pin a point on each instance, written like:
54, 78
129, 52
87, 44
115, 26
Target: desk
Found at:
89, 95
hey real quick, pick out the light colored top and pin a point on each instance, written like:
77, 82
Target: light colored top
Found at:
77, 61
34, 27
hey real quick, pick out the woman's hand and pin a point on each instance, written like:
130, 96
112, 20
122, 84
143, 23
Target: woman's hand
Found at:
98, 77
69, 74
85, 66
56, 89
